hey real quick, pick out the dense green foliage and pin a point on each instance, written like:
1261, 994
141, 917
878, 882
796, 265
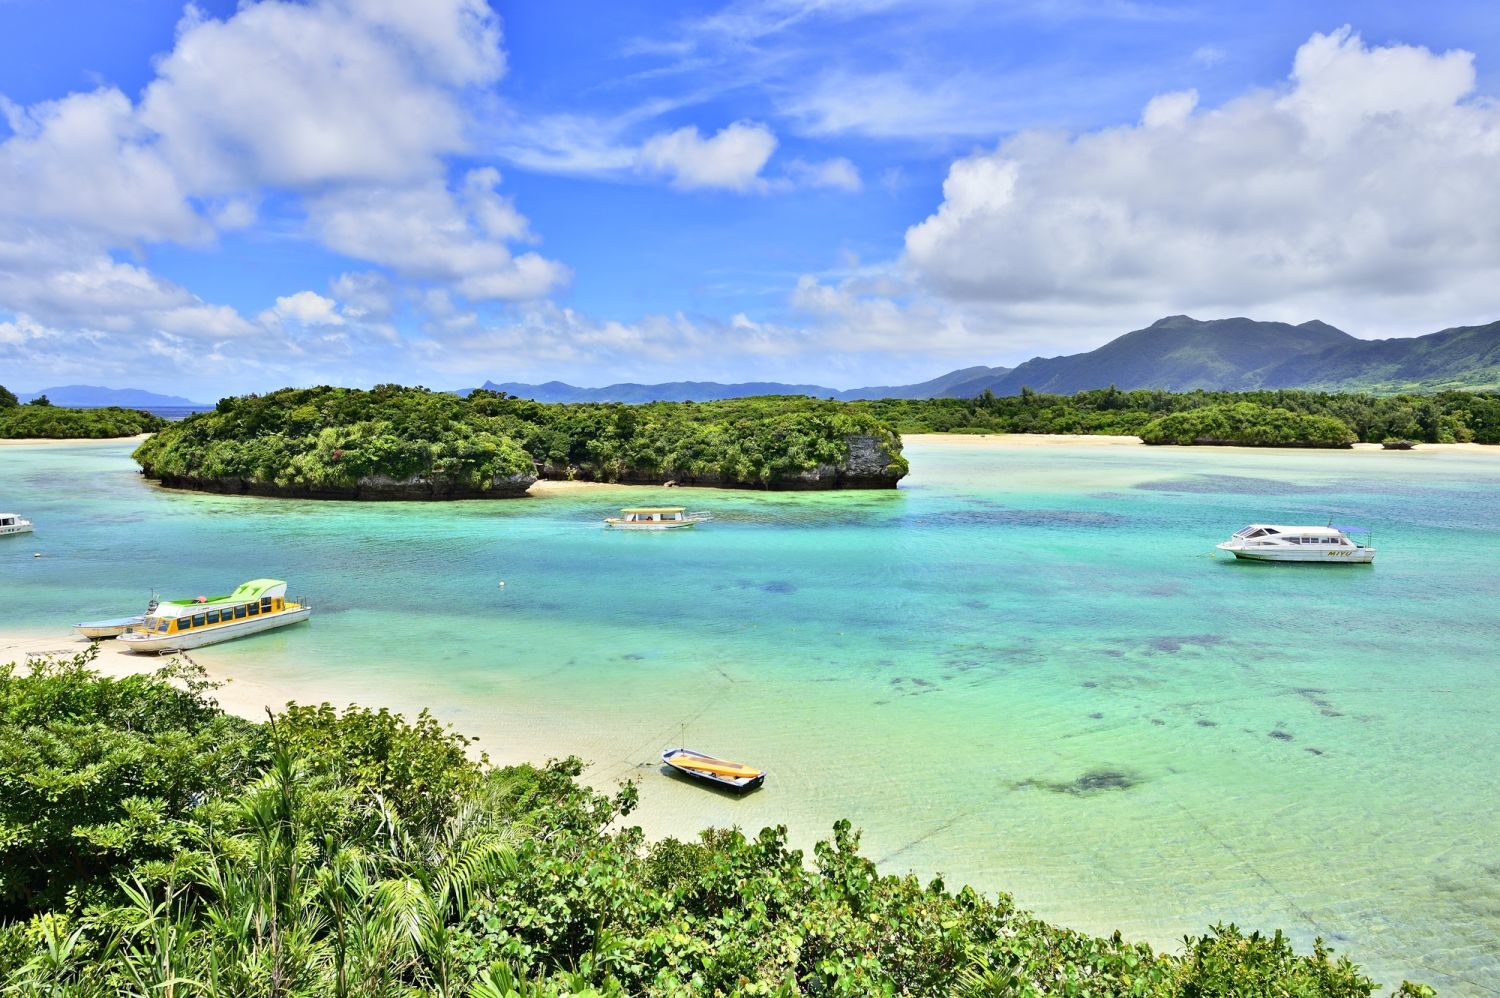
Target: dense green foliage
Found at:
152, 846
1247, 424
321, 437
34, 420
1443, 418
7, 398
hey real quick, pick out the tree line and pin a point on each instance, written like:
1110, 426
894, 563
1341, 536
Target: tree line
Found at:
1288, 416
39, 418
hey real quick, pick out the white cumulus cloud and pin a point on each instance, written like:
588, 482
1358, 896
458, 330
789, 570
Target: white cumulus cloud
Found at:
1363, 189
731, 159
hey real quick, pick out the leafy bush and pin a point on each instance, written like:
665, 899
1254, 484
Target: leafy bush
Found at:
353, 853
40, 419
8, 398
1247, 424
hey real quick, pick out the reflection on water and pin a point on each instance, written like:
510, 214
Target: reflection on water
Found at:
1034, 674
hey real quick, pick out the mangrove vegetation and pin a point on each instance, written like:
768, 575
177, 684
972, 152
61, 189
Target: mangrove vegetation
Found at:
150, 844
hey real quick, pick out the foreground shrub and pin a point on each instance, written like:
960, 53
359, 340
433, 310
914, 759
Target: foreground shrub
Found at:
328, 852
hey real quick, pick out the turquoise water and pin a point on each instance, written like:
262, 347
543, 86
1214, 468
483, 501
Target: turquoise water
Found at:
1023, 670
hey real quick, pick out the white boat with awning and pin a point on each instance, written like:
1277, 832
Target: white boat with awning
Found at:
655, 518
1328, 545
258, 605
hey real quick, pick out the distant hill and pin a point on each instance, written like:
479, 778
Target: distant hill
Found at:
1462, 357
92, 396
676, 391
951, 385
1179, 353
707, 391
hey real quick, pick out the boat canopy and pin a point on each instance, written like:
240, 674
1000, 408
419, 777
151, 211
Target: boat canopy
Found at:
1276, 528
1354, 530
651, 510
253, 591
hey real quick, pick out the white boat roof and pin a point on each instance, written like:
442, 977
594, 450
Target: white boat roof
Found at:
15, 515
1320, 531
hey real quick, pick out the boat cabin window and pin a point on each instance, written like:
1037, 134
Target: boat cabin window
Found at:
183, 623
254, 609
239, 612
1256, 533
199, 619
265, 604
162, 626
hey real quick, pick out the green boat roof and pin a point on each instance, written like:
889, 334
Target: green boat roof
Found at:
255, 589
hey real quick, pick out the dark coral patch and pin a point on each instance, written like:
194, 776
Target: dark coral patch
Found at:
1281, 736
1092, 782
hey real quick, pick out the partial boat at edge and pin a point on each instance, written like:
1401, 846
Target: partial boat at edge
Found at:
13, 523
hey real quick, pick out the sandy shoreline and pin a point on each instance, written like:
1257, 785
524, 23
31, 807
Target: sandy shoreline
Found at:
1107, 440
1023, 439
61, 441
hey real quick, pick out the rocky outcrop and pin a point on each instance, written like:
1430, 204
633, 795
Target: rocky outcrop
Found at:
370, 487
873, 463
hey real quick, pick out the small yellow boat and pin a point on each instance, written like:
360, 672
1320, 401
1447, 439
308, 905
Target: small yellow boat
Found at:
721, 772
654, 518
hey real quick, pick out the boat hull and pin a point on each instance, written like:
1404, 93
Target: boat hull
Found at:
15, 528
660, 525
97, 630
1324, 556
143, 643
674, 757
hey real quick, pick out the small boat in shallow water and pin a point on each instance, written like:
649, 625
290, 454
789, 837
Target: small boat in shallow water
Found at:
175, 625
1328, 545
98, 630
720, 772
655, 518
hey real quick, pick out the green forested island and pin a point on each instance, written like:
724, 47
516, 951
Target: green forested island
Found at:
1287, 417
151, 844
411, 443
40, 419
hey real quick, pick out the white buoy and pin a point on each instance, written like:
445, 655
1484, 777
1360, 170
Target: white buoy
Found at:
502, 585
39, 554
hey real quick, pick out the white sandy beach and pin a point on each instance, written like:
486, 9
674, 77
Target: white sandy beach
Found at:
1022, 439
70, 441
1105, 440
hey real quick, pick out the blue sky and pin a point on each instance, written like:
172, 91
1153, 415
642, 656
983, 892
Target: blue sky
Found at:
231, 197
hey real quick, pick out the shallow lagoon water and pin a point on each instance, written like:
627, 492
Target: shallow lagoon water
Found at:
1023, 670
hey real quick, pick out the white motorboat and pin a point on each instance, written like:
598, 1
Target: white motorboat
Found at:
13, 523
1328, 545
176, 625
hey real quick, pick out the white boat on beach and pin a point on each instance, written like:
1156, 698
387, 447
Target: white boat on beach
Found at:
176, 625
13, 523
1328, 545
655, 518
